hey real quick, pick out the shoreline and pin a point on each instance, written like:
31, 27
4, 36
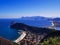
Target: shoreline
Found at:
20, 37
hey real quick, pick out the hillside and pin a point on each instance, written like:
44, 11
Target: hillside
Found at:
4, 41
34, 34
52, 38
24, 27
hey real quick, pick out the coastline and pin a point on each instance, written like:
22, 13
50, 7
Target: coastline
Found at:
20, 37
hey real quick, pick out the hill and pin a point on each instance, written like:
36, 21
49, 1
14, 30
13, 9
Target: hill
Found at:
24, 27
34, 34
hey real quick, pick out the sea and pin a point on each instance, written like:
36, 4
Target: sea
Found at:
12, 34
6, 31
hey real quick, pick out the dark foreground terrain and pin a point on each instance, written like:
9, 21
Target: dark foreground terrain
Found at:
4, 41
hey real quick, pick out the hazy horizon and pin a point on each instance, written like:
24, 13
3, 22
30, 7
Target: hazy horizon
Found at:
25, 16
23, 8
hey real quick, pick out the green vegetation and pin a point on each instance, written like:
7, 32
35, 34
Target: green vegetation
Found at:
51, 41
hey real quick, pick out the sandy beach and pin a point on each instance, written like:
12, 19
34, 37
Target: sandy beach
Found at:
23, 34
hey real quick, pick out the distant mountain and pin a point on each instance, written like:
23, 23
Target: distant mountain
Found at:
39, 18
37, 21
56, 19
34, 18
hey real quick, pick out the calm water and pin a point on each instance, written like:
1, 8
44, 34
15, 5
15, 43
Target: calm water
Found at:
6, 31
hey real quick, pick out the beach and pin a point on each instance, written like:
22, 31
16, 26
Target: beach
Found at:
23, 34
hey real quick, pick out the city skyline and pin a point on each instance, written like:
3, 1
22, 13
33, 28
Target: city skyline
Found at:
20, 8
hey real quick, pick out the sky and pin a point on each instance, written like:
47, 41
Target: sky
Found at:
20, 8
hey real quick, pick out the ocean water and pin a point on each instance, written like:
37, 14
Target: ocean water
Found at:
36, 23
6, 31
11, 34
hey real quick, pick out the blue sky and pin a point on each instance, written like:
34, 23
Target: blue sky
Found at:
19, 8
